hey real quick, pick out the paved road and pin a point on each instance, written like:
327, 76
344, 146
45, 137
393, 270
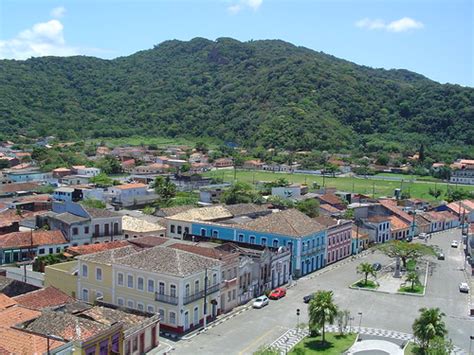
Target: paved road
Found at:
248, 331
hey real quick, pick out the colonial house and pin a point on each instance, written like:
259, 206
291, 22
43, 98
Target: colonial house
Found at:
86, 171
136, 227
400, 229
156, 168
440, 221
462, 209
378, 228
360, 239
253, 165
127, 192
61, 172
223, 163
338, 238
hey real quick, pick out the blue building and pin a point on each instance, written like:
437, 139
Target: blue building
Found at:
290, 228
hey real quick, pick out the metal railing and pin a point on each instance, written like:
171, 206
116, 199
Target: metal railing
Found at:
200, 294
160, 297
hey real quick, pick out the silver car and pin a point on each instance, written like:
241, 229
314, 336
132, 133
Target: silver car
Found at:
260, 302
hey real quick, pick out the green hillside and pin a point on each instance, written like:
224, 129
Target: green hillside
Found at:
269, 93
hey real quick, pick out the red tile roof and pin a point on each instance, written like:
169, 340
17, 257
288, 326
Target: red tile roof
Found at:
43, 298
22, 186
13, 341
35, 238
396, 223
388, 204
203, 251
131, 186
6, 301
16, 314
96, 248
330, 199
149, 241
329, 208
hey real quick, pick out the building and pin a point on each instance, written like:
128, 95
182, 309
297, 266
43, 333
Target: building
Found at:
338, 238
25, 246
462, 209
440, 221
68, 194
156, 280
332, 200
75, 179
127, 192
253, 165
360, 239
85, 171
133, 227
400, 230
156, 168
29, 175
223, 163
463, 172
61, 172
43, 298
378, 227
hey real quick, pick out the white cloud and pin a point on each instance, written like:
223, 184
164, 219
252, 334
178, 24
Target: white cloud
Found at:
45, 38
401, 25
58, 12
244, 4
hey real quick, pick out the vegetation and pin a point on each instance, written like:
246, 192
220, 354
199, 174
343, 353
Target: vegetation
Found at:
257, 93
427, 328
93, 203
335, 344
322, 310
240, 192
413, 278
366, 284
417, 288
164, 188
267, 350
405, 250
41, 261
310, 207
366, 269
109, 165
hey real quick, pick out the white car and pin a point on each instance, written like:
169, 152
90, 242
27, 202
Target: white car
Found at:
260, 302
454, 244
422, 236
464, 287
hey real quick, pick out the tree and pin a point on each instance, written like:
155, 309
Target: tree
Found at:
109, 165
202, 147
458, 194
366, 269
343, 319
4, 163
164, 188
331, 169
93, 203
413, 277
240, 192
280, 203
321, 310
383, 159
309, 207
404, 250
428, 326
101, 180
405, 195
435, 193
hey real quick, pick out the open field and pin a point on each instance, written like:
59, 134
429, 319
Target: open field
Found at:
370, 187
159, 141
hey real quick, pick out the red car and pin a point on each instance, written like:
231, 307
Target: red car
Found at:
277, 293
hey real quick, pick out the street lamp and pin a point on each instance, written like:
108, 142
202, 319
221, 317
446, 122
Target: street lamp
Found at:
297, 320
360, 320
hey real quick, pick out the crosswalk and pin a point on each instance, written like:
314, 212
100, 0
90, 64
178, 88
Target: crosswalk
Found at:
293, 336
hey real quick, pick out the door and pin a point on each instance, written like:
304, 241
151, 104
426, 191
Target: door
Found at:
186, 320
106, 229
196, 316
153, 337
142, 343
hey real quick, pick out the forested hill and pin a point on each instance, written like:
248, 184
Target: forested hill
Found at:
268, 93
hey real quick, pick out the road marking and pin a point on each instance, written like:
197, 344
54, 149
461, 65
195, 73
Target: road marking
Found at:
242, 352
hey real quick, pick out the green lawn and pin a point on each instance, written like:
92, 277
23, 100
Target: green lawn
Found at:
364, 186
335, 345
361, 283
416, 289
410, 349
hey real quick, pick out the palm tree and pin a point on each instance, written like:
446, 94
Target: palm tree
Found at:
413, 278
366, 269
322, 310
429, 326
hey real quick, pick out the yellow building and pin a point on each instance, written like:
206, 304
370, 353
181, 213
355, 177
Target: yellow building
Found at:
63, 276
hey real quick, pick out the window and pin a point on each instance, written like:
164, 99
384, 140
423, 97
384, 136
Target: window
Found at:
140, 307
275, 243
252, 239
215, 234
75, 231
151, 286
241, 238
84, 271
120, 279
161, 312
58, 250
172, 318
86, 230
173, 290
98, 274
264, 241
85, 294
214, 279
130, 281
120, 301
172, 228
135, 344
51, 250
186, 230
234, 293
203, 232
180, 229
186, 290
196, 286
161, 288
96, 230
229, 296
130, 304
140, 283
41, 251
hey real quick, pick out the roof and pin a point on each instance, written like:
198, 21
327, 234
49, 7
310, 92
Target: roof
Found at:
75, 167
397, 223
16, 187
326, 221
59, 170
100, 213
168, 261
96, 248
109, 316
245, 208
13, 288
131, 186
66, 217
329, 208
378, 219
65, 325
6, 301
460, 205
388, 204
149, 241
438, 216
13, 341
330, 199
109, 256
289, 222
140, 225
64, 189
13, 315
34, 238
203, 214
203, 251
43, 298
171, 211
358, 233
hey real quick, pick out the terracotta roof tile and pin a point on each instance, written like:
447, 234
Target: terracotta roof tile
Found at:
6, 301
43, 298
13, 341
130, 186
203, 251
96, 248
16, 314
35, 238
397, 223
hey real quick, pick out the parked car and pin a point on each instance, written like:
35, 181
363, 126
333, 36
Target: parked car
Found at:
422, 236
464, 287
260, 302
308, 298
441, 256
454, 244
377, 266
277, 293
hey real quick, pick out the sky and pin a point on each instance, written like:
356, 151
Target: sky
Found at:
431, 37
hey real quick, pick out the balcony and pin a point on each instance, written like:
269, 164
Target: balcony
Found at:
166, 298
200, 294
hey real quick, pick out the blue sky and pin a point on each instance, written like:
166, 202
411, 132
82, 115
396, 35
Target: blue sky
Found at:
431, 37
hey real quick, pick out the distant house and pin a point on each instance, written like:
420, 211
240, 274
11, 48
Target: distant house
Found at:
360, 239
223, 163
156, 168
29, 175
134, 194
378, 228
464, 208
333, 200
86, 171
75, 179
128, 165
102, 151
67, 194
135, 227
12, 161
400, 229
339, 241
253, 165
440, 221
197, 168
61, 172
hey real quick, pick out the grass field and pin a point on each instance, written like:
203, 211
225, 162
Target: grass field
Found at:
370, 187
159, 141
335, 345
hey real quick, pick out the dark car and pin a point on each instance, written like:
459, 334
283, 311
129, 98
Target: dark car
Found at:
308, 298
377, 266
440, 256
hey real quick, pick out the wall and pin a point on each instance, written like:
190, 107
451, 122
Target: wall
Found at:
62, 277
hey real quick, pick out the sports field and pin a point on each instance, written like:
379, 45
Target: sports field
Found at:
376, 187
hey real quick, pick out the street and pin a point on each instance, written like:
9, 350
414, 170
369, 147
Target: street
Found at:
245, 333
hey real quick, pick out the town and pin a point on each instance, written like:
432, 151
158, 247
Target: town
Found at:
149, 249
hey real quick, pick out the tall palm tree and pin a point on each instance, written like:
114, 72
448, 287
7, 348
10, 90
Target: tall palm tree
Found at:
413, 278
428, 326
322, 310
366, 269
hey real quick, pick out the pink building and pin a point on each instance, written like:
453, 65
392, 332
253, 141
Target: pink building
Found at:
339, 240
